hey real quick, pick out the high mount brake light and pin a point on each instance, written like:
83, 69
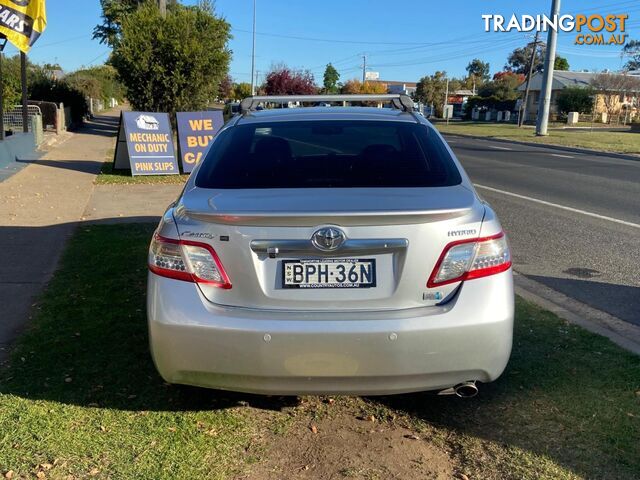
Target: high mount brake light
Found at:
472, 258
186, 260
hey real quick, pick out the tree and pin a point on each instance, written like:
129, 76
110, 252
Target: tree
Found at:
225, 88
113, 13
503, 86
632, 50
98, 82
173, 63
355, 86
518, 60
478, 71
431, 91
561, 63
575, 99
330, 79
284, 81
241, 90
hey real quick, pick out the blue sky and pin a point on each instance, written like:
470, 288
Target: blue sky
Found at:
402, 41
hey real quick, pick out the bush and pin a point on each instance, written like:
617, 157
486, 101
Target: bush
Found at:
488, 103
59, 91
97, 82
575, 99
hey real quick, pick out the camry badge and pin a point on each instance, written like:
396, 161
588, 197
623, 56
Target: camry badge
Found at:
328, 238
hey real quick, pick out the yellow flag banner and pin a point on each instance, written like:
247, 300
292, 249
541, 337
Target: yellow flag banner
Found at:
22, 21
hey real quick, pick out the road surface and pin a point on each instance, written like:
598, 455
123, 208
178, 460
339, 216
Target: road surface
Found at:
573, 219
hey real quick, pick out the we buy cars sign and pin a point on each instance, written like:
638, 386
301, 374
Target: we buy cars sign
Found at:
196, 131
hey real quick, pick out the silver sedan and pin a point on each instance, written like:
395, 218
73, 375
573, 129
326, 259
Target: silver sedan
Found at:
330, 250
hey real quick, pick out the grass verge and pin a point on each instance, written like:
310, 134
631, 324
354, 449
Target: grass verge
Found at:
109, 176
80, 397
619, 142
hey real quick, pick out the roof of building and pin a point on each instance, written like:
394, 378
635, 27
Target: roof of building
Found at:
394, 82
562, 79
465, 92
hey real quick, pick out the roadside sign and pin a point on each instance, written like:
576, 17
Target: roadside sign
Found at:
145, 144
196, 131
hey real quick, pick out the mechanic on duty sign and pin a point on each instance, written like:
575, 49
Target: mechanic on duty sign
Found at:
145, 144
196, 131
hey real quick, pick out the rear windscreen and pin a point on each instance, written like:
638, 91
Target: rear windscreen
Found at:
328, 154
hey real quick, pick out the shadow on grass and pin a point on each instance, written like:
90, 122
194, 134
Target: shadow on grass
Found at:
88, 345
566, 395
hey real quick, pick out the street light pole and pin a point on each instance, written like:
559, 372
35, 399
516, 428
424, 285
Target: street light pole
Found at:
253, 52
547, 80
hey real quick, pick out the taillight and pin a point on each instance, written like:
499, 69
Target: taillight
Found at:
186, 260
473, 258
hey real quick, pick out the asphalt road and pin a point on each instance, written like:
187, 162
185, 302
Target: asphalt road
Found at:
573, 219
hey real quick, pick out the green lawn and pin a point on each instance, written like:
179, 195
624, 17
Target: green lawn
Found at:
80, 397
621, 142
109, 176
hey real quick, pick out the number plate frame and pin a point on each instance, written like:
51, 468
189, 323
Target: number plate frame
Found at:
322, 261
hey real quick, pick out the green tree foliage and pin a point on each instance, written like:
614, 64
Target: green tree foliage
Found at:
431, 90
330, 79
561, 63
241, 90
632, 50
518, 60
173, 63
98, 82
478, 71
575, 99
113, 13
502, 87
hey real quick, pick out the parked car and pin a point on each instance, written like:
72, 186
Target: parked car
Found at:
330, 250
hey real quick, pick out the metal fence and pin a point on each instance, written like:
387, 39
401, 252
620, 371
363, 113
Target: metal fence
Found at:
13, 117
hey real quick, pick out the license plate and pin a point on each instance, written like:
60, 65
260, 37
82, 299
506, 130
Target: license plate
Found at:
329, 273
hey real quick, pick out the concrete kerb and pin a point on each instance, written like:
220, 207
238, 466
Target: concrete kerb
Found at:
586, 151
621, 333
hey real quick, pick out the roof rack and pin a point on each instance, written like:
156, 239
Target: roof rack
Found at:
399, 101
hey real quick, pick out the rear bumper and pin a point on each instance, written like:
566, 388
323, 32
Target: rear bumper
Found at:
198, 343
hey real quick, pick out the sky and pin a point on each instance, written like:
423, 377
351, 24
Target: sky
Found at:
402, 41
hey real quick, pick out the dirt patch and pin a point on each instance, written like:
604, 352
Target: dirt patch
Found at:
344, 444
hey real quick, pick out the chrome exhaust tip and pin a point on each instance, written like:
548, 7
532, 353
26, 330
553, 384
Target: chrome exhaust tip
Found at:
466, 389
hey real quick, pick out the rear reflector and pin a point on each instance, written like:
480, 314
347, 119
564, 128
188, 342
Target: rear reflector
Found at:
473, 258
188, 261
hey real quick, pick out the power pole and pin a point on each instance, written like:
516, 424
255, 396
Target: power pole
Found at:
162, 5
364, 68
23, 75
446, 101
547, 79
253, 53
523, 107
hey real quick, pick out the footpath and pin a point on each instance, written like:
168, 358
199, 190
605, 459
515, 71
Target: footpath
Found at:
43, 203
